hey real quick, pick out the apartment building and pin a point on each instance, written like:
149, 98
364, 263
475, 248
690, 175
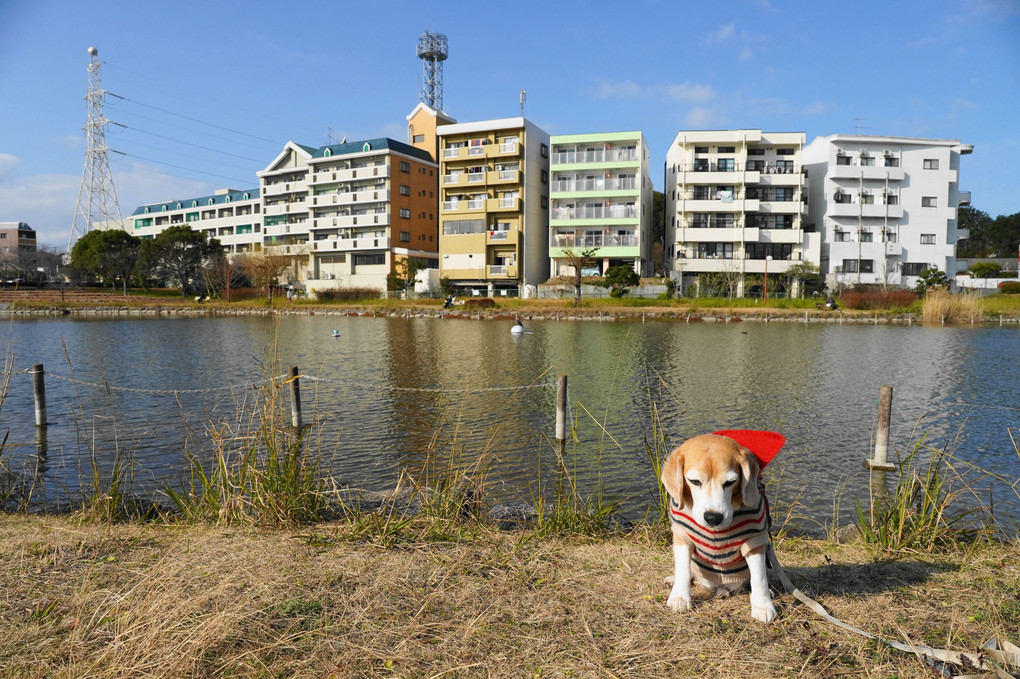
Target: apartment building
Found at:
736, 204
601, 201
886, 206
355, 208
494, 211
233, 216
17, 249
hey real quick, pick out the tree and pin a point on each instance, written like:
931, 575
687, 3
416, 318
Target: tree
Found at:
985, 270
178, 254
265, 267
805, 274
658, 229
107, 255
619, 278
579, 260
930, 278
999, 237
405, 270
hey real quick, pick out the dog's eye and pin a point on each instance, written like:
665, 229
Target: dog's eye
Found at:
727, 484
694, 482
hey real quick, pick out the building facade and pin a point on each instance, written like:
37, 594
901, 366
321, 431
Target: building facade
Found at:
736, 206
886, 206
601, 201
232, 216
494, 206
17, 251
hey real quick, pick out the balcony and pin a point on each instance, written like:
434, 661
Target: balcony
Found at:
591, 240
867, 172
503, 176
584, 185
573, 157
286, 208
327, 176
964, 198
282, 188
503, 204
717, 235
348, 221
350, 244
601, 212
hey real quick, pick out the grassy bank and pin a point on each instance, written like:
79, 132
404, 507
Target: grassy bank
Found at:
134, 599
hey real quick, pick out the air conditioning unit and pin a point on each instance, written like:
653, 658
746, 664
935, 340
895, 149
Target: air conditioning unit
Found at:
887, 152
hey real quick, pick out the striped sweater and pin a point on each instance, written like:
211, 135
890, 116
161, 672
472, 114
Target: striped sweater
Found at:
718, 555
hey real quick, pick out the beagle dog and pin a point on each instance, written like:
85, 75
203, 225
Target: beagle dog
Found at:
720, 520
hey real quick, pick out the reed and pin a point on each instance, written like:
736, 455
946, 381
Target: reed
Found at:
936, 505
941, 307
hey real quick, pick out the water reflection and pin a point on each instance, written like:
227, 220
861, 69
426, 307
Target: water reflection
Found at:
390, 392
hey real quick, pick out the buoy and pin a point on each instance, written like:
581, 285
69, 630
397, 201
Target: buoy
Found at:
336, 333
518, 328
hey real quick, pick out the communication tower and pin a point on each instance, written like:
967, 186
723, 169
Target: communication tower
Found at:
97, 199
432, 52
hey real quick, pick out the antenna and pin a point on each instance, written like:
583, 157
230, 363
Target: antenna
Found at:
524, 98
329, 135
432, 51
858, 128
97, 199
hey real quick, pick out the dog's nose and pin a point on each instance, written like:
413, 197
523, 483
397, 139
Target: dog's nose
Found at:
713, 518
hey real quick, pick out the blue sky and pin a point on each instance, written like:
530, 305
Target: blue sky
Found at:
212, 90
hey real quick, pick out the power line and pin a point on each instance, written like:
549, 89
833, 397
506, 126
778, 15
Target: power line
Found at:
196, 120
185, 155
134, 114
186, 143
241, 182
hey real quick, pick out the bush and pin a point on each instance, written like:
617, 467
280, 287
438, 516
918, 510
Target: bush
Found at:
877, 299
480, 303
348, 294
1009, 287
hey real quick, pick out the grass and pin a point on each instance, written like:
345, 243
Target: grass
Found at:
941, 308
151, 600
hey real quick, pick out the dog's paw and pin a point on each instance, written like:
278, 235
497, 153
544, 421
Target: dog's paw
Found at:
763, 613
678, 603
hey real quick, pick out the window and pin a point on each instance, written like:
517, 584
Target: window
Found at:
545, 150
849, 266
405, 213
866, 236
913, 268
756, 152
867, 199
726, 165
701, 149
842, 160
892, 162
727, 149
405, 190
931, 163
842, 236
545, 176
368, 259
927, 239
405, 167
419, 138
867, 266
786, 152
405, 236
715, 251
867, 161
929, 201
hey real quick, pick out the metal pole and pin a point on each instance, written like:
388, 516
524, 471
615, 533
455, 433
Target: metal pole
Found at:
39, 389
295, 397
882, 437
561, 413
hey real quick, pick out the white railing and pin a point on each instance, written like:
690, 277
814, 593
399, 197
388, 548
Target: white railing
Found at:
612, 212
595, 240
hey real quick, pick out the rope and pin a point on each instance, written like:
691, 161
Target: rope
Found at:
936, 657
311, 378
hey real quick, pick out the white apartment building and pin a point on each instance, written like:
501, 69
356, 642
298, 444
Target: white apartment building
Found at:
233, 216
601, 201
736, 205
886, 206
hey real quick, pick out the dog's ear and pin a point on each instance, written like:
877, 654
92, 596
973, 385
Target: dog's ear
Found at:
749, 473
673, 476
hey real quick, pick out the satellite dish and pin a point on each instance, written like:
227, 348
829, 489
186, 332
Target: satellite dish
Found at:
93, 51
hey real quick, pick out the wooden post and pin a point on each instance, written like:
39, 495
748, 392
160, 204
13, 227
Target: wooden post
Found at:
295, 398
561, 413
882, 437
39, 389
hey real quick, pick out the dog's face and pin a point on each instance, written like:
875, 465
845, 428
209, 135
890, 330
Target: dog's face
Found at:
709, 476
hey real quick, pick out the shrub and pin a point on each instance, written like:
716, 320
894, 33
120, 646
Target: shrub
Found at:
877, 299
1009, 287
942, 307
480, 302
348, 294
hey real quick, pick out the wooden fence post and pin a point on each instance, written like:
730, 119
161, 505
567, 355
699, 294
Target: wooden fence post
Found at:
295, 397
561, 414
879, 461
39, 390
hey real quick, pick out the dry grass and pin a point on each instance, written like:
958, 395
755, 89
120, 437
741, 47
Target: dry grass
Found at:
942, 308
139, 600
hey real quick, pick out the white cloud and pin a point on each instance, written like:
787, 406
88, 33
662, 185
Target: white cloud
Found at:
627, 89
689, 92
922, 42
817, 108
701, 118
723, 34
746, 54
8, 164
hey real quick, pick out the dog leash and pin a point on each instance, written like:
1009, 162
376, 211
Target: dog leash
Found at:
993, 656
